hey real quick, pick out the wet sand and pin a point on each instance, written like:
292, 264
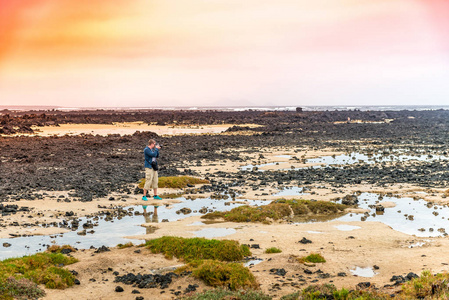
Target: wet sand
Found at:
130, 128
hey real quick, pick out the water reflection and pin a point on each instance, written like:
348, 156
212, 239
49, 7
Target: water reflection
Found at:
150, 217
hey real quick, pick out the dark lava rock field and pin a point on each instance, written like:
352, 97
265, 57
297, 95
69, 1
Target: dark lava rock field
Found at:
94, 166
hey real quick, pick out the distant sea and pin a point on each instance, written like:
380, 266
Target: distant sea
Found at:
235, 108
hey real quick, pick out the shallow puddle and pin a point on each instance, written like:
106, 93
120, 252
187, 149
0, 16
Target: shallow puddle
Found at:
251, 167
419, 244
291, 191
363, 272
414, 217
353, 158
253, 262
111, 233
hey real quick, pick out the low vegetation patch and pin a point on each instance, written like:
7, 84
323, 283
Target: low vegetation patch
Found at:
233, 276
312, 258
273, 250
189, 249
277, 210
176, 182
329, 291
22, 288
42, 268
220, 293
428, 286
314, 292
127, 245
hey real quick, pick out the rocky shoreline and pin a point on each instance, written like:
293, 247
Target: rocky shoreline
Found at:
52, 181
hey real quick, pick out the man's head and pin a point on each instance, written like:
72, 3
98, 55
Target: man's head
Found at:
151, 143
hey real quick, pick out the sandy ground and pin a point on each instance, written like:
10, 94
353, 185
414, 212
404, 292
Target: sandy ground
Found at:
366, 245
130, 128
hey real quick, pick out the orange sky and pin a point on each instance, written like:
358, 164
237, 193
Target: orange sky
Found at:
223, 52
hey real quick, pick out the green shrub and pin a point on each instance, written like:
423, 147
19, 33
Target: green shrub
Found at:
318, 291
53, 277
22, 288
41, 268
293, 296
175, 182
127, 245
190, 249
253, 214
428, 286
221, 274
313, 258
329, 291
277, 210
273, 250
219, 294
342, 294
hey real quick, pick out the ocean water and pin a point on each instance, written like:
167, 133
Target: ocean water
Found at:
238, 108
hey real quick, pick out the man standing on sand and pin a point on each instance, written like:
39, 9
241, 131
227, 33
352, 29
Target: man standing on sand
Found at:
151, 153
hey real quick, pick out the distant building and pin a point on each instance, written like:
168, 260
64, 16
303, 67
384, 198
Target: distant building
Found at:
299, 109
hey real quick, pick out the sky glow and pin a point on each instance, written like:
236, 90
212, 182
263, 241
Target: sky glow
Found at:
145, 53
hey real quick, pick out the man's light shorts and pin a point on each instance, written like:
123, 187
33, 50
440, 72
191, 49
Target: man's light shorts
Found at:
151, 179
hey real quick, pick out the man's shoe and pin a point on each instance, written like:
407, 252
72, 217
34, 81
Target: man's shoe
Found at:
144, 198
157, 198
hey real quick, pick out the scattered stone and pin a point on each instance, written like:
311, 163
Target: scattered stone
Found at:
305, 241
146, 281
102, 249
411, 276
380, 208
350, 200
66, 251
191, 288
280, 272
184, 210
363, 285
119, 289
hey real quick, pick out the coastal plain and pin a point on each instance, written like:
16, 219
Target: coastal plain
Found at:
61, 169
